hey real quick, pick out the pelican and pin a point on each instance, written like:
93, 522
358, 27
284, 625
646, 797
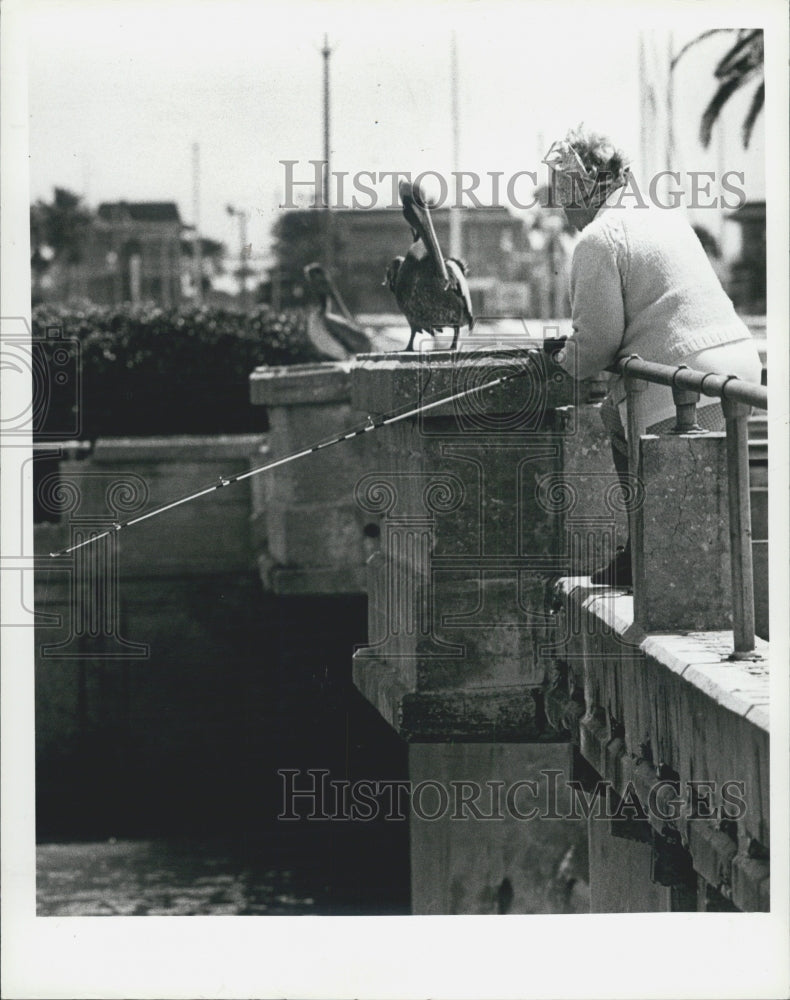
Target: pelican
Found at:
336, 334
431, 290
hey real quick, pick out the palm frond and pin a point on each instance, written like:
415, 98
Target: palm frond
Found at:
747, 49
740, 63
711, 113
696, 41
756, 107
743, 70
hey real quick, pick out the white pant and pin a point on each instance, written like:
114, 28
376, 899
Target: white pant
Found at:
739, 358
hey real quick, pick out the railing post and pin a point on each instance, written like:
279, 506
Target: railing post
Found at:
635, 388
685, 401
736, 416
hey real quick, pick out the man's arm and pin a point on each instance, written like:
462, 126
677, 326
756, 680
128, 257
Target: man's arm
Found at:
597, 308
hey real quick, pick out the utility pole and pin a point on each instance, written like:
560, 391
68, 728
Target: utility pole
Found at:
670, 150
326, 52
241, 215
197, 246
456, 239
647, 121
243, 256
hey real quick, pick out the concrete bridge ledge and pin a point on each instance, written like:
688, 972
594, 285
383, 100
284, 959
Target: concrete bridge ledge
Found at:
676, 705
494, 713
195, 447
300, 385
613, 607
700, 658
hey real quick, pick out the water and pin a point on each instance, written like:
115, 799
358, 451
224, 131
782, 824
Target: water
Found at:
169, 878
163, 795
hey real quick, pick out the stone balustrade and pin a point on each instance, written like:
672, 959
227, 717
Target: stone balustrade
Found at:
652, 715
490, 653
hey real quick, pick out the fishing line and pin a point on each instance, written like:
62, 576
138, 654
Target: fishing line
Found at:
223, 481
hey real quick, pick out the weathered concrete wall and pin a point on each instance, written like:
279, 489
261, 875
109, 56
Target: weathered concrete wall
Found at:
653, 714
686, 533
122, 477
620, 873
174, 688
466, 497
586, 490
143, 637
504, 864
315, 540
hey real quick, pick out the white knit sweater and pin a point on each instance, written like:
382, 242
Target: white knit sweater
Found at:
642, 284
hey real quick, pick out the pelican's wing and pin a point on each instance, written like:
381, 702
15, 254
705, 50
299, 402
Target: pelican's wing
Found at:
328, 347
351, 335
461, 283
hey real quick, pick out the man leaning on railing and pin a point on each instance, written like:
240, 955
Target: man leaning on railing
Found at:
641, 284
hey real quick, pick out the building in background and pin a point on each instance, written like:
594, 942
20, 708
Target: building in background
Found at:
135, 254
496, 247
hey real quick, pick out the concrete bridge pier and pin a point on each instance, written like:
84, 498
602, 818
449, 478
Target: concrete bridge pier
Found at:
456, 617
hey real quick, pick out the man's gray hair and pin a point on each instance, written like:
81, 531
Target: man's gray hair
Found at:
601, 158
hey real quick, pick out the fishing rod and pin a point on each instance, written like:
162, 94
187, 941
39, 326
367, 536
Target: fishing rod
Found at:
223, 481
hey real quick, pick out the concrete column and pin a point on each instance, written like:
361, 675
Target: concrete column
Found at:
313, 538
586, 492
476, 846
685, 582
456, 619
474, 468
620, 873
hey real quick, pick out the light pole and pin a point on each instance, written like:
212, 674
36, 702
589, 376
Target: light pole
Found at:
197, 248
241, 215
455, 208
326, 52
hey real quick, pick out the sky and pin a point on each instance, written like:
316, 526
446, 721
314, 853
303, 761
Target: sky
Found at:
119, 91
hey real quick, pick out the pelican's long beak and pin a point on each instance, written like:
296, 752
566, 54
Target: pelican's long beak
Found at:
433, 245
419, 218
335, 291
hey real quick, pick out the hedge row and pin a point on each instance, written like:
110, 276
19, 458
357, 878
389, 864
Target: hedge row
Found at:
146, 370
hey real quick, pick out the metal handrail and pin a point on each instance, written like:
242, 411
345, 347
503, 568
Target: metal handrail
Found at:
707, 383
737, 396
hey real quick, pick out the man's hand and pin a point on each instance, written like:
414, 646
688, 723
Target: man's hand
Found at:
553, 345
